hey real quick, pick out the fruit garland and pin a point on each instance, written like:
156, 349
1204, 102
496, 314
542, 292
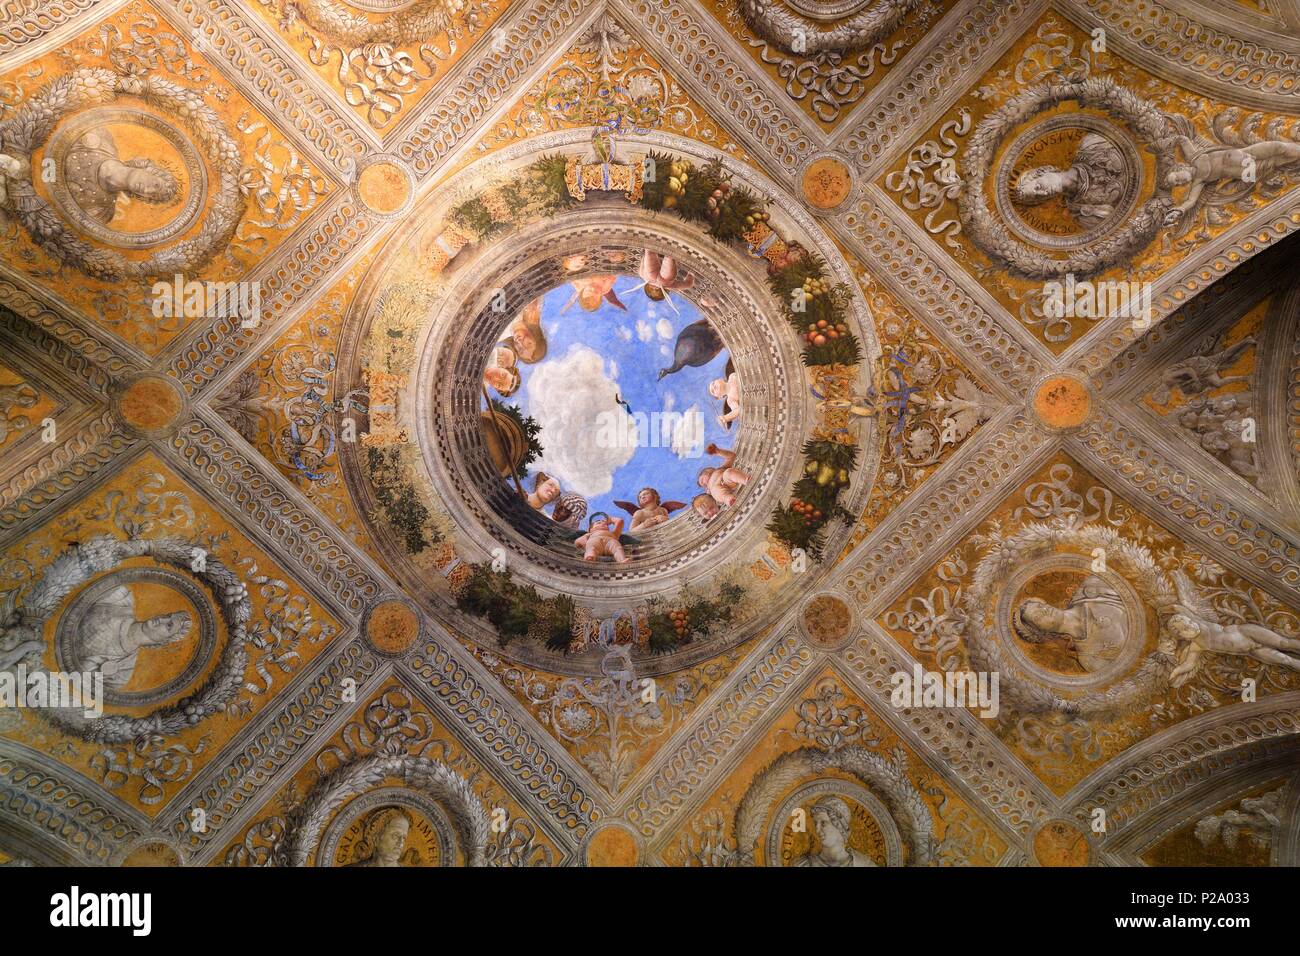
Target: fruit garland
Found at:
816, 308
672, 627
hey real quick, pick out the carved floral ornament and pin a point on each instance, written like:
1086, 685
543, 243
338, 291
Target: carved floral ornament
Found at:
429, 678
75, 93
551, 209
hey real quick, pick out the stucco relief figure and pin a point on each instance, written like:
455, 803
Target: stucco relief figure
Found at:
1220, 423
14, 396
1255, 819
111, 638
1091, 186
832, 822
96, 177
383, 840
12, 169
1208, 164
1094, 624
1196, 628
1200, 373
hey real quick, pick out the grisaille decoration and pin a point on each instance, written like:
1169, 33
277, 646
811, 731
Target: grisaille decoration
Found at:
495, 433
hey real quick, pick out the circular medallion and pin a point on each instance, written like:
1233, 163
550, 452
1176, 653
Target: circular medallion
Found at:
827, 182
392, 627
600, 402
1069, 625
126, 177
1062, 402
612, 845
827, 621
828, 11
153, 853
151, 404
385, 187
389, 827
842, 824
610, 407
1101, 187
1068, 180
1061, 843
150, 631
380, 6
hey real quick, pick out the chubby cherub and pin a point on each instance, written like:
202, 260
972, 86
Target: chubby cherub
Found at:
727, 389
649, 511
660, 275
705, 507
1209, 163
724, 481
601, 539
1196, 627
592, 292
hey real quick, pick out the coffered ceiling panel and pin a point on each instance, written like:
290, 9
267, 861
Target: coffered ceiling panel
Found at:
710, 433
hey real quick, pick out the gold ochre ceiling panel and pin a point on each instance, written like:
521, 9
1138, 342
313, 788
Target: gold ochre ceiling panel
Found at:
727, 432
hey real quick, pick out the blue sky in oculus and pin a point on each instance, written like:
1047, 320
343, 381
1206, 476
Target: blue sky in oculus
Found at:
592, 444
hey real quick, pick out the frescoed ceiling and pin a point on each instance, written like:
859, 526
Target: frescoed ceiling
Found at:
704, 433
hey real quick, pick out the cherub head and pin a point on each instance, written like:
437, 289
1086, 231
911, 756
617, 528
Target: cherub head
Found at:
504, 380
654, 293
648, 498
705, 506
504, 355
1180, 175
1182, 627
529, 341
705, 475
1039, 184
718, 388
590, 296
599, 522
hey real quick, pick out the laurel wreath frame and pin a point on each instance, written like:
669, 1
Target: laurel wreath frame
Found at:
450, 789
779, 25
987, 231
421, 22
79, 564
887, 778
1027, 695
32, 126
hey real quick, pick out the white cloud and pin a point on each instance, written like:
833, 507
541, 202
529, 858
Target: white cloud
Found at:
586, 436
624, 333
664, 328
644, 331
670, 401
613, 369
665, 351
687, 432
